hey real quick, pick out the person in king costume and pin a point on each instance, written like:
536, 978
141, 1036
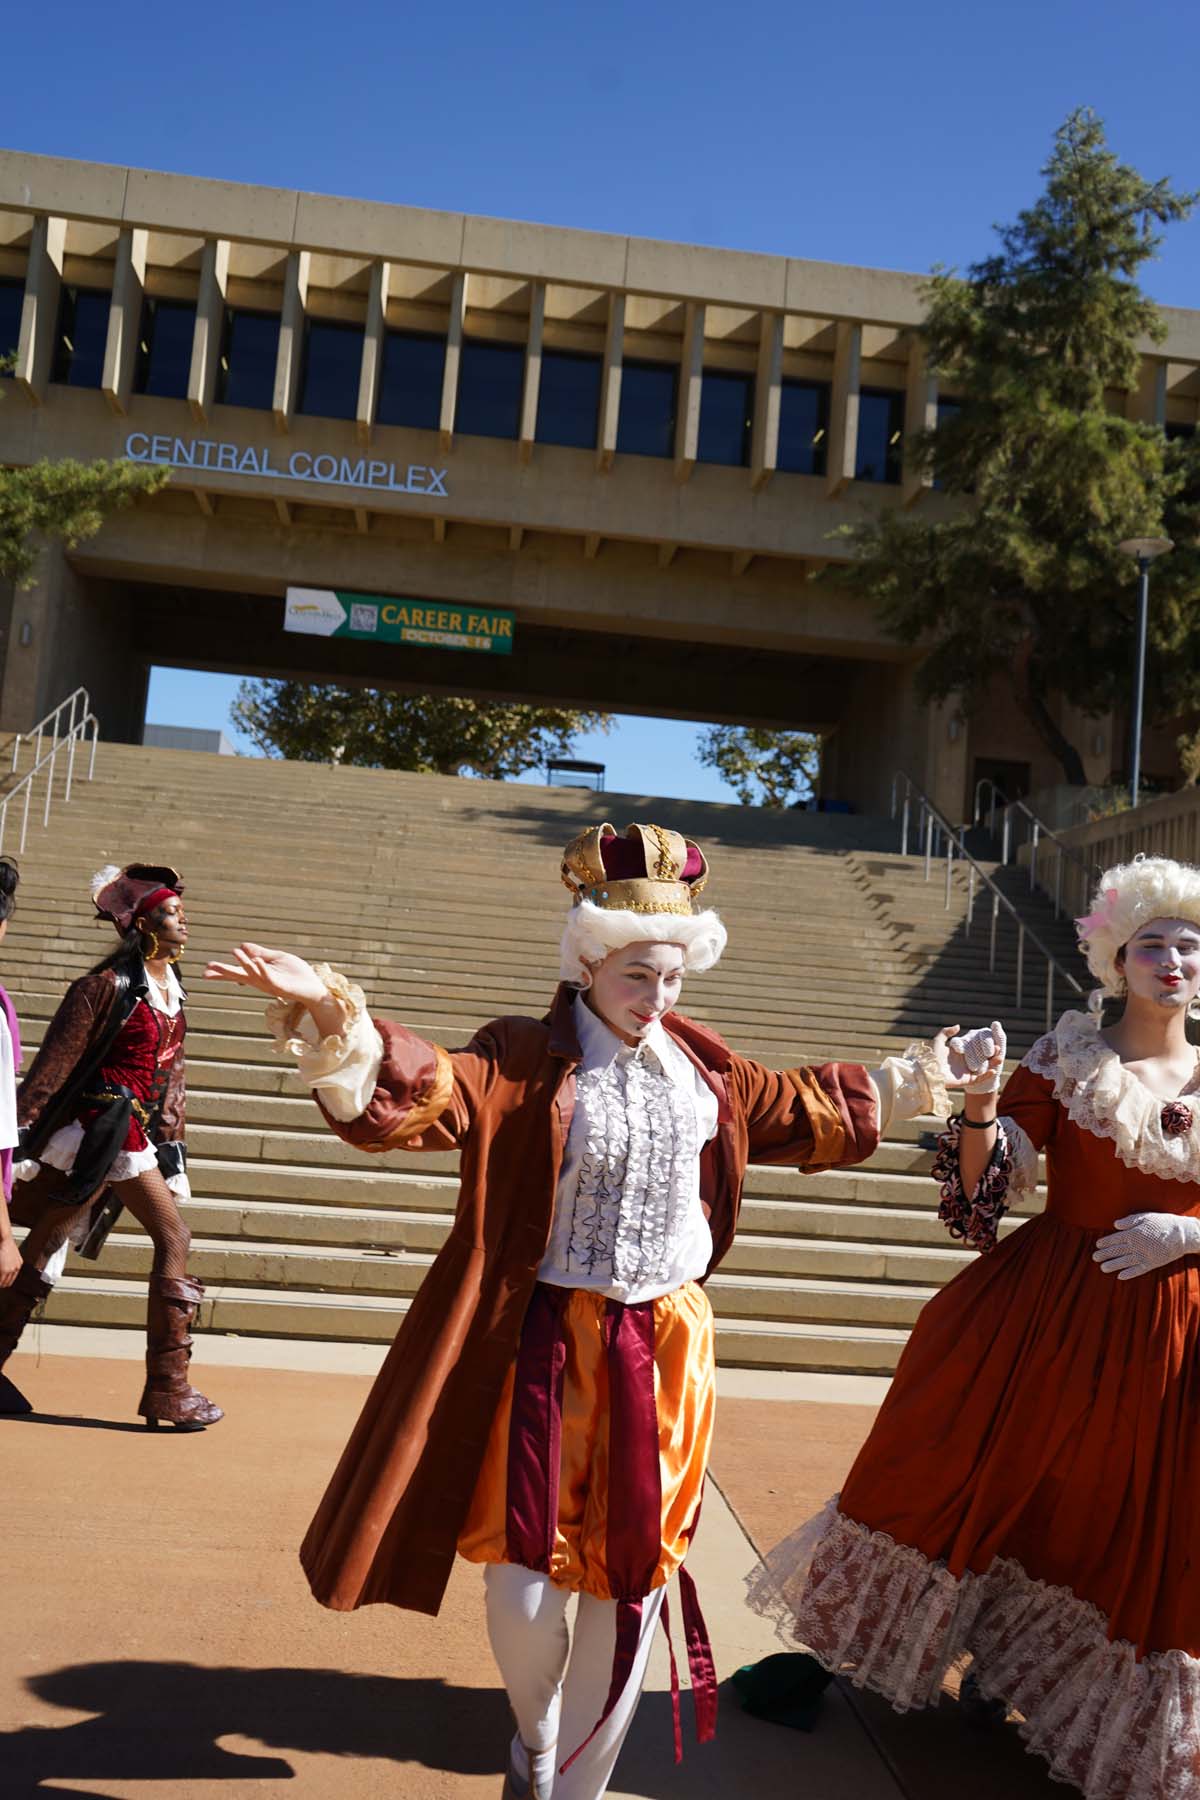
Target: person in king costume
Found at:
1029, 1494
101, 1115
547, 1407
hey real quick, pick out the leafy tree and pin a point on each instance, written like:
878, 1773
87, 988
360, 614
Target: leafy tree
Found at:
1024, 581
434, 734
764, 768
68, 500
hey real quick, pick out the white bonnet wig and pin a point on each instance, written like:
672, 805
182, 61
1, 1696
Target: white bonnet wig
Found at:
1128, 897
637, 889
591, 932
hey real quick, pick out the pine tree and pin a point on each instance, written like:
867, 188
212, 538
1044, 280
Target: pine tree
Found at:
66, 499
1039, 345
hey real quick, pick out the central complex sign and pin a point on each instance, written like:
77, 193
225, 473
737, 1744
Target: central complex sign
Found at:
300, 465
331, 613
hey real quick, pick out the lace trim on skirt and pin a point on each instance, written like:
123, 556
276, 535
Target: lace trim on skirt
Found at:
1116, 1727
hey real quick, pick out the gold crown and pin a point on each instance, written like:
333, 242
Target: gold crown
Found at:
662, 889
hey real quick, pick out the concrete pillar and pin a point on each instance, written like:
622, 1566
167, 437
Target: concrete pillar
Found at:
454, 338
843, 407
920, 414
372, 351
768, 392
1147, 402
946, 772
691, 372
533, 371
125, 319
66, 631
291, 338
210, 328
39, 309
610, 384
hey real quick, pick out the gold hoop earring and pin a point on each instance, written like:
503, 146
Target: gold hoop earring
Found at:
151, 955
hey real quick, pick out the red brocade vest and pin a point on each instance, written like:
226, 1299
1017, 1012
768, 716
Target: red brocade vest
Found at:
140, 1060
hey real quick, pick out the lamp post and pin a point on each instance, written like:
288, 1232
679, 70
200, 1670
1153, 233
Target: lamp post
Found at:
1144, 551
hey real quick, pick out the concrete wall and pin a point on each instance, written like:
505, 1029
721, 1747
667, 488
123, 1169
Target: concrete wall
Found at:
82, 633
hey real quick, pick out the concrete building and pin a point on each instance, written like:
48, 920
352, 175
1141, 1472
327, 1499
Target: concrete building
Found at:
613, 462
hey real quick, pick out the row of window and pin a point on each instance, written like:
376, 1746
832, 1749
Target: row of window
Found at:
491, 381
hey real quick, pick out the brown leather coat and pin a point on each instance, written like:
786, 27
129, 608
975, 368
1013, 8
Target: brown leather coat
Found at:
388, 1525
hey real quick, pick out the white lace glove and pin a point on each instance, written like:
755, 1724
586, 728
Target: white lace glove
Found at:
977, 1059
1145, 1241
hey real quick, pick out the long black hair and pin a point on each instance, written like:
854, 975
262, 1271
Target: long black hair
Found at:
10, 875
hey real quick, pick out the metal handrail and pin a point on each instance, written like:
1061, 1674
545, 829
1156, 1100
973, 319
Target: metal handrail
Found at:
76, 704
930, 821
80, 721
1038, 829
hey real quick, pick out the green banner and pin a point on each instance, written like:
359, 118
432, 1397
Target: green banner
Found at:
332, 613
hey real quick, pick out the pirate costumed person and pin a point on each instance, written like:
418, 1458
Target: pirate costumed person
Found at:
1029, 1494
547, 1407
101, 1113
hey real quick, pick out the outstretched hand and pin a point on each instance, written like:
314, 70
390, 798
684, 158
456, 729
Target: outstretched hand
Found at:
973, 1061
276, 973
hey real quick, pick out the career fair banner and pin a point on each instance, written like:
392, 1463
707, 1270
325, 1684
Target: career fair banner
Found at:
331, 613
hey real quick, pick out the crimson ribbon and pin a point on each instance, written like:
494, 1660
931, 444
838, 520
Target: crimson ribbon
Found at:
634, 1536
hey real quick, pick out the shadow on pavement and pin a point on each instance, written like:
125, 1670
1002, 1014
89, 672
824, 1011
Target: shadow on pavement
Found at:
77, 1420
162, 1721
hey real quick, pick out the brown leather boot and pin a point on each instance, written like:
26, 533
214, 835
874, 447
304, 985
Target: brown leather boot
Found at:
167, 1398
17, 1302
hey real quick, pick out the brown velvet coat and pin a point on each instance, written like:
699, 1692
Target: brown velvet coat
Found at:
388, 1525
84, 1024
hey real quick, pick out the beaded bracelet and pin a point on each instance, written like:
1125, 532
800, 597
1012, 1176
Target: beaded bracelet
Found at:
974, 1124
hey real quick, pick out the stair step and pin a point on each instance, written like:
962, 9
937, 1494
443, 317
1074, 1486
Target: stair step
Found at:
374, 1318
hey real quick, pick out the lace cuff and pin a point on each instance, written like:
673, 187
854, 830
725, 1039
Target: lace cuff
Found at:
344, 1066
910, 1084
975, 1219
1024, 1159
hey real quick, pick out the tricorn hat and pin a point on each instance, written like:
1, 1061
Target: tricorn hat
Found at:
123, 895
649, 870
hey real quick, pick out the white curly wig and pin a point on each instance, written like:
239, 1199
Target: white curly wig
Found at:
591, 932
1128, 897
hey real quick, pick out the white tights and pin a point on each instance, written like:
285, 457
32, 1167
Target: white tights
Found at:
558, 1682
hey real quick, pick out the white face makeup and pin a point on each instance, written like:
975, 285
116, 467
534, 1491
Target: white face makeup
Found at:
636, 985
1162, 963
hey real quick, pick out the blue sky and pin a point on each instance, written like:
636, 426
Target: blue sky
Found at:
861, 133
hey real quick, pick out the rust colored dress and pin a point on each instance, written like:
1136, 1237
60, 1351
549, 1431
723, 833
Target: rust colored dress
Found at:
1030, 1493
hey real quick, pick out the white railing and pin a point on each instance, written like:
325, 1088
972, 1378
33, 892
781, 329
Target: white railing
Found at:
920, 814
53, 737
1064, 856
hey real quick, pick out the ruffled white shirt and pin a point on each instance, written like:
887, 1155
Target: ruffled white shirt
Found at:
628, 1222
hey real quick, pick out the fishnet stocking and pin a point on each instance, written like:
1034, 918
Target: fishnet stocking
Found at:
146, 1196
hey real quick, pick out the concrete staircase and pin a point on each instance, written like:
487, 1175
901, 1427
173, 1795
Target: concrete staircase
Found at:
944, 955
441, 897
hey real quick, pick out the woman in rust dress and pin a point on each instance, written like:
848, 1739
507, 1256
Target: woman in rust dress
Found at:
1030, 1493
101, 1113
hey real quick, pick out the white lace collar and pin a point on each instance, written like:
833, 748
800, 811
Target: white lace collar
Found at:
1102, 1096
601, 1047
